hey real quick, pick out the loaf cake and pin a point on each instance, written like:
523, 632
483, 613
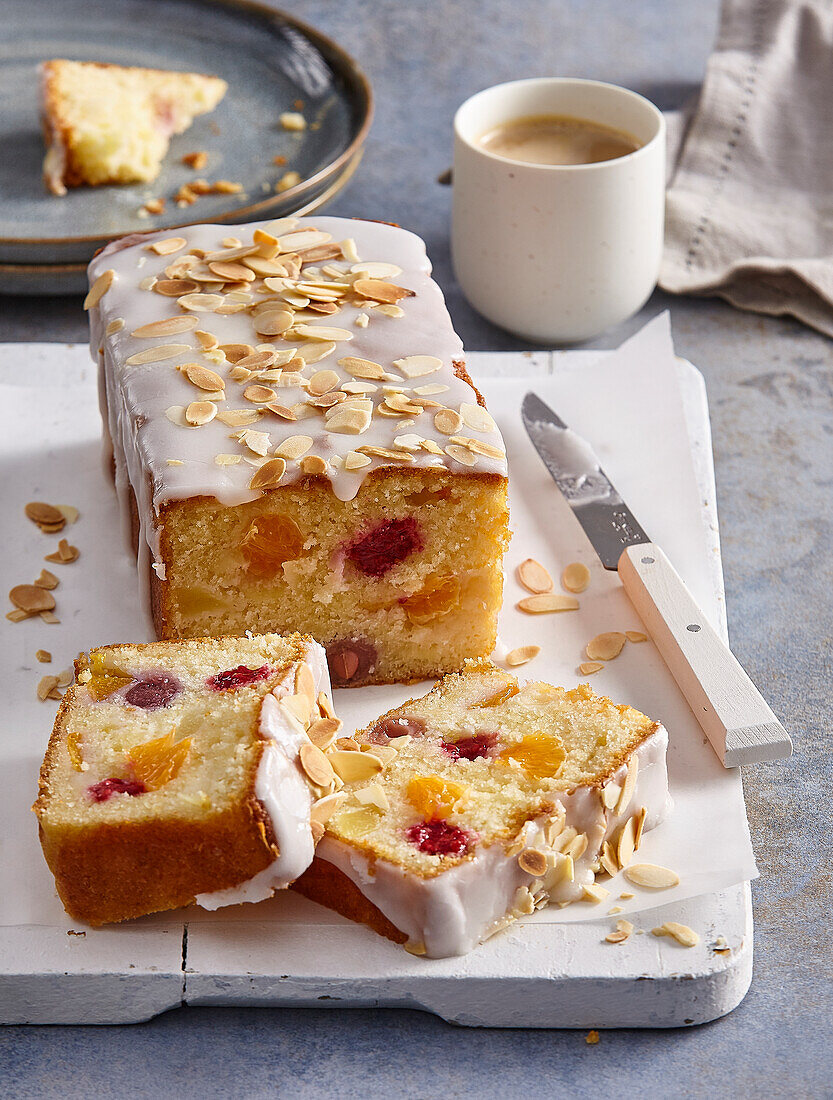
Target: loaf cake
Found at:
179, 771
109, 124
484, 801
298, 445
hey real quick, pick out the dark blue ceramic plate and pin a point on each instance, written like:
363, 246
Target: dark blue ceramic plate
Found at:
269, 60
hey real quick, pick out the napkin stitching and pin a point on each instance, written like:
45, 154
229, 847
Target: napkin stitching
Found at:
749, 88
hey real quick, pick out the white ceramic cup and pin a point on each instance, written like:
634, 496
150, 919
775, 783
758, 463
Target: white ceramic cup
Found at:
558, 253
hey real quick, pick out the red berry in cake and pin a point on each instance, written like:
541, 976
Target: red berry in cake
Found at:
235, 678
396, 726
438, 838
385, 546
153, 692
350, 660
106, 788
471, 748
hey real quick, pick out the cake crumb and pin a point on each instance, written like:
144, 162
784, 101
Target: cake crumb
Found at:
196, 160
684, 935
152, 206
287, 180
592, 1038
293, 120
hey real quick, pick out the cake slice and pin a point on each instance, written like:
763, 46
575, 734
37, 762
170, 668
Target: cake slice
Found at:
185, 771
110, 124
483, 801
298, 445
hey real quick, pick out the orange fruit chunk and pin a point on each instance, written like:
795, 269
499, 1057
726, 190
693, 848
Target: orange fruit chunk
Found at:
498, 697
434, 797
106, 678
76, 757
437, 597
538, 754
157, 762
269, 542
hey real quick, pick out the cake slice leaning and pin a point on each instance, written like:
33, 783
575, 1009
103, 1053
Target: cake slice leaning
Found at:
111, 124
183, 771
482, 802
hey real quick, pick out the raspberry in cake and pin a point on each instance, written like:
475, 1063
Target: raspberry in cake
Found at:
483, 801
298, 444
179, 771
110, 124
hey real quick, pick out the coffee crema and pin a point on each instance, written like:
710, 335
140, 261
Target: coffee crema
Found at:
558, 139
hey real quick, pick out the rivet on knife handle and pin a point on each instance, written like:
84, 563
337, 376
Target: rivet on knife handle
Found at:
734, 716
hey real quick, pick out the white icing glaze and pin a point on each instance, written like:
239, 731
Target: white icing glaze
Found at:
284, 793
137, 397
453, 911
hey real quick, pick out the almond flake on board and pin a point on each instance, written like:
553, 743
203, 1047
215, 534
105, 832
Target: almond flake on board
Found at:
547, 603
636, 636
46, 580
46, 516
64, 554
607, 646
43, 656
684, 935
575, 577
46, 686
652, 876
534, 577
587, 668
521, 655
31, 599
623, 931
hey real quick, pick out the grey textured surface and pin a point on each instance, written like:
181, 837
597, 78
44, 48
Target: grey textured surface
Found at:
771, 389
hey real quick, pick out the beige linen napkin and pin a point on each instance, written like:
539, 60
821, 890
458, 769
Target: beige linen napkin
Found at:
750, 206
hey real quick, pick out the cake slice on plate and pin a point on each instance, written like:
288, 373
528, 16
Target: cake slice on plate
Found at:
185, 771
110, 124
481, 802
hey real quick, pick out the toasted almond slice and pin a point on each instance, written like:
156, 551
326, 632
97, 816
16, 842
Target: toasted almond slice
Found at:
461, 454
534, 577
354, 767
225, 255
236, 418
208, 340
281, 411
522, 655
373, 795
322, 382
575, 577
477, 418
316, 765
625, 847
175, 288
99, 288
325, 705
31, 599
415, 366
317, 350
608, 859
323, 333
200, 303
46, 686
652, 876
533, 862
259, 395
355, 461
232, 272
47, 580
168, 326
268, 475
587, 668
322, 810
168, 246
200, 412
636, 636
547, 603
348, 420
43, 656
257, 442
323, 731
274, 322
628, 788
594, 893
448, 421
202, 377
17, 616
611, 792
684, 935
157, 354
44, 514
116, 325
623, 930
235, 352
379, 291
640, 825
294, 446
605, 647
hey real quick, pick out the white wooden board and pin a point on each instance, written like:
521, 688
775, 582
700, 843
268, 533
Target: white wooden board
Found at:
291, 952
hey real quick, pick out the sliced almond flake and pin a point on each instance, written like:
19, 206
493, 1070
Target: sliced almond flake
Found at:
202, 377
547, 603
594, 893
625, 846
373, 795
303, 411
215, 355
236, 418
628, 788
46, 686
65, 678
415, 366
231, 307
587, 668
174, 462
157, 354
636, 636
354, 767
259, 395
289, 379
375, 269
348, 420
480, 447
355, 461
448, 421
652, 876
235, 352
258, 442
575, 577
225, 255
303, 238
390, 311
318, 350
231, 272
316, 765
461, 454
378, 290
116, 325
64, 554
314, 465
44, 515
522, 655
477, 418
684, 935
361, 320
623, 930
168, 246
31, 599
610, 795
268, 476
383, 452
408, 442
173, 288
608, 859
322, 382
282, 411
150, 283
640, 824
43, 656
201, 303
294, 446
200, 412
267, 267
399, 402
226, 460
274, 322
534, 577
99, 288
323, 332
47, 580
431, 389
231, 242
168, 326
605, 647
359, 387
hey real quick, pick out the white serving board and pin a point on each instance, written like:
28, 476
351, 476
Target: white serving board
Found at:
291, 952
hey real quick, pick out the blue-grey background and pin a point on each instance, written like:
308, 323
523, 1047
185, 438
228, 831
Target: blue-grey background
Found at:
771, 390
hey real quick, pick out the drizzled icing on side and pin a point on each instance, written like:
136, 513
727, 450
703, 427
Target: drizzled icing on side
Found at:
149, 402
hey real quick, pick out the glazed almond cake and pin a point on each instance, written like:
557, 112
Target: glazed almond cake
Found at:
484, 801
183, 771
298, 445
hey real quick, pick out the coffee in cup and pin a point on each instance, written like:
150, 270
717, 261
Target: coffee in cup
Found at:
558, 139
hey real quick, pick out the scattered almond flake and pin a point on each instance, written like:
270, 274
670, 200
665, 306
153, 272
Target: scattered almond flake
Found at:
64, 554
17, 616
640, 825
231, 242
359, 387
168, 326
314, 353
174, 462
43, 656
378, 290
236, 418
625, 846
322, 810
684, 935
196, 160
587, 668
226, 187
99, 288
361, 320
176, 415
636, 636
628, 788
152, 206
168, 246
408, 442
322, 382
294, 446
355, 461
273, 322
479, 447
258, 442
477, 418
292, 120
448, 421
610, 795
614, 910
258, 360
390, 311
652, 876
46, 686
200, 412
45, 516
31, 599
522, 655
623, 930
317, 830
594, 893
605, 647
259, 395
373, 795
282, 411
461, 454
202, 377
383, 452
592, 1038
626, 896
316, 765
375, 270
150, 282
235, 352
534, 577
533, 862
609, 861
322, 332
268, 476
415, 366
47, 580
314, 465
287, 180
431, 389
348, 420
200, 303
65, 678
546, 603
157, 354
575, 577
116, 325
226, 460
231, 271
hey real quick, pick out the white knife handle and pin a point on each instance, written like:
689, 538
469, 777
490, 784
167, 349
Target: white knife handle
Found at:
734, 715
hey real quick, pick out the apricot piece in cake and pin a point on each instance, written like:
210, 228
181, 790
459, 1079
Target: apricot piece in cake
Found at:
437, 597
269, 542
538, 754
105, 679
157, 762
434, 797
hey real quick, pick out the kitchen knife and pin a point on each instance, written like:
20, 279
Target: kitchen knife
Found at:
734, 716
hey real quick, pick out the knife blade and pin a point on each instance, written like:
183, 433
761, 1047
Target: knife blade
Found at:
736, 719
